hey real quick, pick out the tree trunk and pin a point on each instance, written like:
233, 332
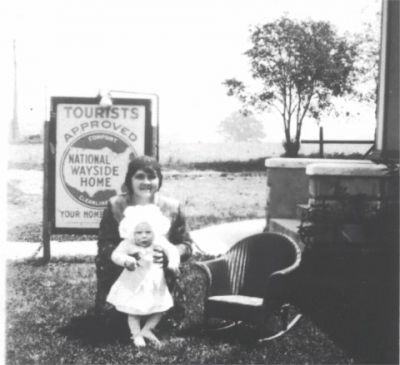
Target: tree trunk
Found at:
291, 148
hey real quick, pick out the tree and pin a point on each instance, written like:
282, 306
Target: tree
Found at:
299, 66
368, 61
239, 127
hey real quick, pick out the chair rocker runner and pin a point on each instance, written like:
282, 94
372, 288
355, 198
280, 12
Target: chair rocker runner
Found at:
248, 283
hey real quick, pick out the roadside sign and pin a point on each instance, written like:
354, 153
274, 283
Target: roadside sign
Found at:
90, 148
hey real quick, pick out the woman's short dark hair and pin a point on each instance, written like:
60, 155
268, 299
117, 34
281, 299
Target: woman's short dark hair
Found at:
144, 163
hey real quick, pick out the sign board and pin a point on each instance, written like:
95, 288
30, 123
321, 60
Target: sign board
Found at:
92, 148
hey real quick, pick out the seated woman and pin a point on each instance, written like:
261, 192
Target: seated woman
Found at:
143, 181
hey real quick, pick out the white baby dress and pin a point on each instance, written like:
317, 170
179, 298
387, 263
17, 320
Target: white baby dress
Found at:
144, 290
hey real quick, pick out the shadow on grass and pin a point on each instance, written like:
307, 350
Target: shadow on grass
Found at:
356, 304
47, 322
367, 332
98, 330
112, 326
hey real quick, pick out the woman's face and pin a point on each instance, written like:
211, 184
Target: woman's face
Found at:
145, 184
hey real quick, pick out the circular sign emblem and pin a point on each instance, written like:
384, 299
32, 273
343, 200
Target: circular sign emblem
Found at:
93, 167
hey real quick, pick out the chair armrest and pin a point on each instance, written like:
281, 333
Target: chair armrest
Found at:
278, 282
292, 267
216, 271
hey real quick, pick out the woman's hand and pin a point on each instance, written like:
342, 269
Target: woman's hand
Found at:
159, 256
175, 271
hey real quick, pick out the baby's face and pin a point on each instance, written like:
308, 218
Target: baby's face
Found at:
143, 235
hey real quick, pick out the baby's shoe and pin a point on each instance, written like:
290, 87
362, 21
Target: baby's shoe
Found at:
138, 340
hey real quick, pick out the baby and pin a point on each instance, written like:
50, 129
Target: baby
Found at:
141, 290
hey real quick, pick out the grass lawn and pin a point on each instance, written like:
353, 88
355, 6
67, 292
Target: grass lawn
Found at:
206, 197
41, 300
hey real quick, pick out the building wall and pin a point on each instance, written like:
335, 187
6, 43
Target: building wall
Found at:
387, 140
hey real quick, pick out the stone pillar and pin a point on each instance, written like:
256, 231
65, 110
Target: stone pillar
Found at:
356, 201
331, 182
287, 184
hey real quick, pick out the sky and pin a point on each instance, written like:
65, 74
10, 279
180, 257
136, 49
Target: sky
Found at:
181, 50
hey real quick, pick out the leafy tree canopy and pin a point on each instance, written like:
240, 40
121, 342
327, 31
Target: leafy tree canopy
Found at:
299, 66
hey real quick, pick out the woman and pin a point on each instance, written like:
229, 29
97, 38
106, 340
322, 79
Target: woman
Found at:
143, 181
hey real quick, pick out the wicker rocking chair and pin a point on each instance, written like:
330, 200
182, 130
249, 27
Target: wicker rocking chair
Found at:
247, 284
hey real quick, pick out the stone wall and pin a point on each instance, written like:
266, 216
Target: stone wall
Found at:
288, 184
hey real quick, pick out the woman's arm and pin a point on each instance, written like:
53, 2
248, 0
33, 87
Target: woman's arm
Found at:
179, 235
106, 271
108, 238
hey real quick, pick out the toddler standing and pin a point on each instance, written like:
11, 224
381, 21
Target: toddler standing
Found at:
141, 290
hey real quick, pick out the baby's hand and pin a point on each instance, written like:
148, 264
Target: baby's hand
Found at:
131, 264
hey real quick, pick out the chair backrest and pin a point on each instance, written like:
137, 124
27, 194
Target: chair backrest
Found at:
252, 260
